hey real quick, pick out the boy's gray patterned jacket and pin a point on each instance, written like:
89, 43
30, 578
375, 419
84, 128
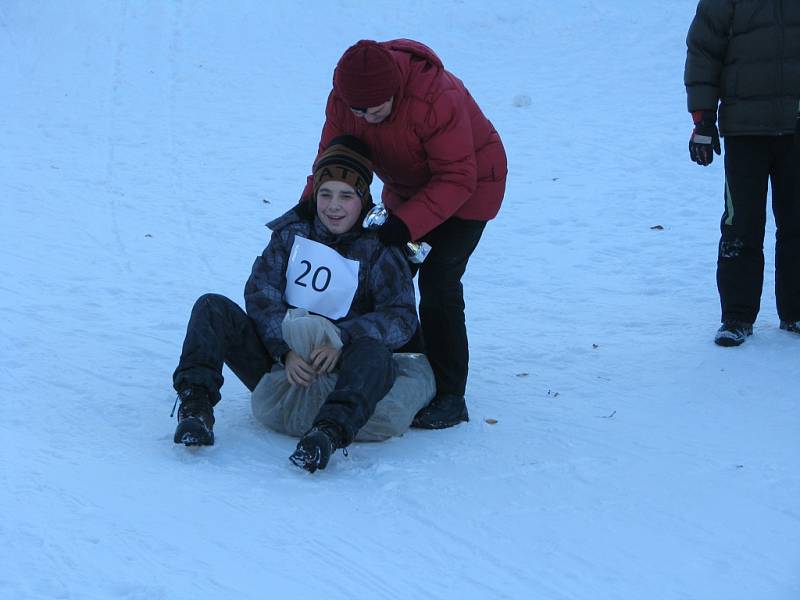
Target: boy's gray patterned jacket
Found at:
383, 306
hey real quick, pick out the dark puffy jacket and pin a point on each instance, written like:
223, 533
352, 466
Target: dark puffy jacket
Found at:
437, 154
746, 54
384, 305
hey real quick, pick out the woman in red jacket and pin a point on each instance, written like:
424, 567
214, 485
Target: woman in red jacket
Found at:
443, 167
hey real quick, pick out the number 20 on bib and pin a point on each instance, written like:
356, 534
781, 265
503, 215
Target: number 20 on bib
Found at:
320, 279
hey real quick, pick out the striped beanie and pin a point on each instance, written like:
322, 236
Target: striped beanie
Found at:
347, 159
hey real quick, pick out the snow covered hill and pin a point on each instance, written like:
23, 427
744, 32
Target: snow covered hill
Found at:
143, 145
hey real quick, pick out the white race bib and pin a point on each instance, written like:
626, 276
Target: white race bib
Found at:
320, 279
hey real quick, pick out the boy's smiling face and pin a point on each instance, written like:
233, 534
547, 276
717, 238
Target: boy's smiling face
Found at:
338, 206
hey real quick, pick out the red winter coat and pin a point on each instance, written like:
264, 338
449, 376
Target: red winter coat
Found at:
437, 155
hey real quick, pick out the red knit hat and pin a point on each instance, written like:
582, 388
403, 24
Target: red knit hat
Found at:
366, 75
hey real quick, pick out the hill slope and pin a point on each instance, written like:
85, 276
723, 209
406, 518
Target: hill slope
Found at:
144, 144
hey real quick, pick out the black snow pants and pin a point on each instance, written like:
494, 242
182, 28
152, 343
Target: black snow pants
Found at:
219, 331
441, 303
750, 163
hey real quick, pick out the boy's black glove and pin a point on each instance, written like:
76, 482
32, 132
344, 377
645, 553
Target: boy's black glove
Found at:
705, 137
394, 232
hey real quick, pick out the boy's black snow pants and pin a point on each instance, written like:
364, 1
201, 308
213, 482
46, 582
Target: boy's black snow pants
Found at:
219, 331
750, 163
366, 374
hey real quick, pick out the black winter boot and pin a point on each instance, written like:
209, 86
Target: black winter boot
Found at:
443, 412
315, 448
793, 326
733, 333
195, 417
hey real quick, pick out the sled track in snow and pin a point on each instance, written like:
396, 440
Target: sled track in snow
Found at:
111, 158
177, 22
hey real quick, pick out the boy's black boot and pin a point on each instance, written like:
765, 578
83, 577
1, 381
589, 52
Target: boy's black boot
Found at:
315, 448
444, 411
733, 333
195, 417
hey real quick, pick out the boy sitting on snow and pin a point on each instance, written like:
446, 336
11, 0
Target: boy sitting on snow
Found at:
318, 259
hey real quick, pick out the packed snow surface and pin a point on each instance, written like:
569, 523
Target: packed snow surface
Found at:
144, 144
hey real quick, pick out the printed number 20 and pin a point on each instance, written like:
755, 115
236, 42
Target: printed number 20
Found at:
314, 286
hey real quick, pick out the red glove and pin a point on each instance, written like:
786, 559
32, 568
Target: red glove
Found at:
705, 137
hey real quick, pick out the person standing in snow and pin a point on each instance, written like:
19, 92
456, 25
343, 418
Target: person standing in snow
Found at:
744, 56
319, 258
444, 170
